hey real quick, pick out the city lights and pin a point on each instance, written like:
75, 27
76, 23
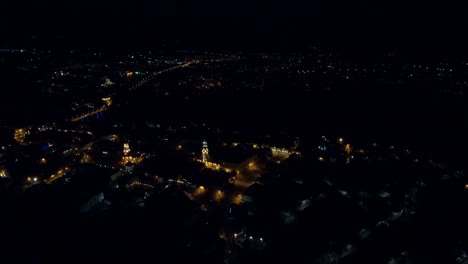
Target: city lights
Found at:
133, 153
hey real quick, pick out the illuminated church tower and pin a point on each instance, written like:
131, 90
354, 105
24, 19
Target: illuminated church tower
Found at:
126, 148
205, 155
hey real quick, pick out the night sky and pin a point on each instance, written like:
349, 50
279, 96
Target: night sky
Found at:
439, 26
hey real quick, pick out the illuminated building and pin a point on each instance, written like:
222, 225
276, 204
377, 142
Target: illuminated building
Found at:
108, 83
20, 135
126, 149
348, 151
134, 160
3, 173
107, 101
348, 148
205, 155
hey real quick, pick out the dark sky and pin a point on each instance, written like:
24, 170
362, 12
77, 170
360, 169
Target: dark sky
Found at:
441, 25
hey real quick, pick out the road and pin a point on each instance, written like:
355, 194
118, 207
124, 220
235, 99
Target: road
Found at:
242, 181
57, 176
225, 197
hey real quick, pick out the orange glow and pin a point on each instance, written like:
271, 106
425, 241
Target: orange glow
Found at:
348, 148
20, 135
199, 191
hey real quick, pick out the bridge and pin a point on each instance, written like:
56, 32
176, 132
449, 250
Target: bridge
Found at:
90, 114
154, 74
141, 83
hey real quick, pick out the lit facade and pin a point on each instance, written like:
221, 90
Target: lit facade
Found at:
126, 148
205, 153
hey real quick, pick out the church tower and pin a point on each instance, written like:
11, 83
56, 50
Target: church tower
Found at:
126, 148
205, 155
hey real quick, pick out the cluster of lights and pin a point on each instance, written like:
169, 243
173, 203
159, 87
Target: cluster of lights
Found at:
251, 238
131, 159
280, 150
212, 164
74, 131
141, 184
126, 149
107, 101
105, 166
86, 158
20, 135
3, 173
